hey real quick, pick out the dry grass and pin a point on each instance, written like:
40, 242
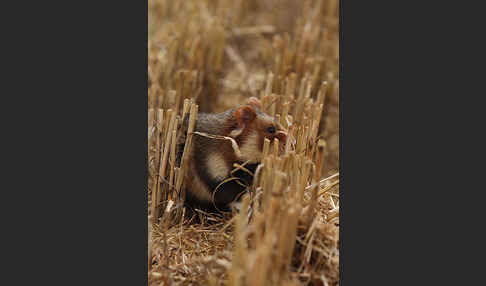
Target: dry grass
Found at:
210, 56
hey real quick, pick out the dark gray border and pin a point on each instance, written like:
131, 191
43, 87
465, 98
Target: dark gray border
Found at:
79, 200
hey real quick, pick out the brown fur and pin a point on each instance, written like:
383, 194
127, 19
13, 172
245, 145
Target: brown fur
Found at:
248, 123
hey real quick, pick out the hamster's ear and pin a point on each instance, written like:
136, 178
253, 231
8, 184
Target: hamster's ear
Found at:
244, 115
254, 102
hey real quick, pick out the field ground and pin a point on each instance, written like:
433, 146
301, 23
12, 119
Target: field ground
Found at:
216, 54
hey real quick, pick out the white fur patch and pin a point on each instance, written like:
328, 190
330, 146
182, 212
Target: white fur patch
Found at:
217, 166
250, 149
199, 189
195, 185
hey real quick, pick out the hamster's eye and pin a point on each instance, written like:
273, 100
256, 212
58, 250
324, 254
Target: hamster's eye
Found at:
271, 129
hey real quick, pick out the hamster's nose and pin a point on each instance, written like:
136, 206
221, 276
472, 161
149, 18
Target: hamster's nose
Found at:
282, 137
